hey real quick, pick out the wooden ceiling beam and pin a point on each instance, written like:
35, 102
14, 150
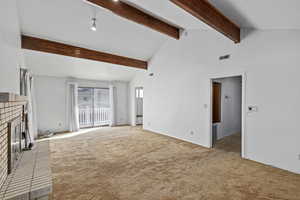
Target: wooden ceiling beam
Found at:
208, 14
47, 46
131, 13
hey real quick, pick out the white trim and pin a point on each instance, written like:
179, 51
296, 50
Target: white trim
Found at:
243, 133
72, 83
134, 123
177, 138
133, 109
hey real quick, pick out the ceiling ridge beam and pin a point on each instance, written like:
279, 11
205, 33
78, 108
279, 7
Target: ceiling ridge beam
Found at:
37, 44
134, 14
210, 15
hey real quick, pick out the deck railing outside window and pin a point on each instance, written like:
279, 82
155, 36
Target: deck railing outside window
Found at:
93, 117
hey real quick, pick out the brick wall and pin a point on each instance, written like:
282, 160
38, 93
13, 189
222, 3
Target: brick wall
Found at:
8, 111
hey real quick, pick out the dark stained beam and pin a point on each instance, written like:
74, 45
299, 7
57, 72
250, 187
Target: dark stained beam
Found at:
207, 13
131, 13
47, 46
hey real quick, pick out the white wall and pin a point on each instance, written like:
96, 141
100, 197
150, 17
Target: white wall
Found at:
122, 103
175, 97
231, 107
51, 108
11, 57
51, 101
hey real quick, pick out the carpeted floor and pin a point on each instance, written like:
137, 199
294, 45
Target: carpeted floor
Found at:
127, 163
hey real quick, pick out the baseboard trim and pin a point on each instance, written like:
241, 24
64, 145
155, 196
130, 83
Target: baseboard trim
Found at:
181, 139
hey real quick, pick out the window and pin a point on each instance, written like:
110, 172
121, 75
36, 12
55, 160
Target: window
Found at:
94, 107
139, 93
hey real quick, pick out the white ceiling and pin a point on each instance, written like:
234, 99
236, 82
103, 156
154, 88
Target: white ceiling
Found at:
69, 21
258, 14
46, 64
262, 14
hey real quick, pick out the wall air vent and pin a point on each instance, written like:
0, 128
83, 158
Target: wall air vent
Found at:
224, 57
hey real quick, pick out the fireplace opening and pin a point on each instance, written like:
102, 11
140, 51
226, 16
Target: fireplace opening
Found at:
14, 142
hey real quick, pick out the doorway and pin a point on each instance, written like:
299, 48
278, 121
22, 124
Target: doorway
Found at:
227, 113
94, 108
139, 96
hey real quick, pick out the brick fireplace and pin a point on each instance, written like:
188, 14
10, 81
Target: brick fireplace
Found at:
11, 108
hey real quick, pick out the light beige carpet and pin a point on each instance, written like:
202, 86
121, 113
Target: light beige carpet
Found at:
127, 163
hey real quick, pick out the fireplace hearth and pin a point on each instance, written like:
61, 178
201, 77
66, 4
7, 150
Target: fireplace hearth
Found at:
11, 119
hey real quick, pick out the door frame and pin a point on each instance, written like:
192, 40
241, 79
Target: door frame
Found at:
136, 106
243, 120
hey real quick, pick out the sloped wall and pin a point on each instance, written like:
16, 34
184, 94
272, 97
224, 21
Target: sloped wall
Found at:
177, 97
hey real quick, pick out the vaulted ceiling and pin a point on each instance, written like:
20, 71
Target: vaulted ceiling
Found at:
69, 21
